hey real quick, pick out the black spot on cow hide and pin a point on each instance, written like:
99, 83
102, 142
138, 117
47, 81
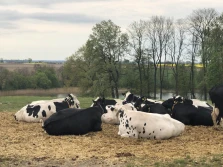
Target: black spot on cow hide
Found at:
126, 125
44, 113
144, 124
121, 113
143, 130
153, 131
33, 110
154, 137
130, 119
49, 107
160, 129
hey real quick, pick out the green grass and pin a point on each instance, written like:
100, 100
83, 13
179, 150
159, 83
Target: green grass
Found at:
14, 103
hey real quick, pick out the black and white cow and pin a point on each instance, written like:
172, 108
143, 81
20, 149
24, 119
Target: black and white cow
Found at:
74, 121
169, 103
216, 96
189, 114
143, 125
41, 110
138, 101
105, 102
148, 105
129, 97
155, 108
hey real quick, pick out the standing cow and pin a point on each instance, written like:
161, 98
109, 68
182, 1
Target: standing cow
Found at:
216, 96
143, 125
41, 110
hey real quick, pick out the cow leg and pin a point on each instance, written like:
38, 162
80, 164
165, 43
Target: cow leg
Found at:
214, 116
133, 134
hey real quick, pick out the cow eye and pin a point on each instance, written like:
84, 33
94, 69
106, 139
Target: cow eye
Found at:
112, 108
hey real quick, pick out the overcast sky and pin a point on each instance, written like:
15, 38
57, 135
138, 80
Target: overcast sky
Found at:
55, 29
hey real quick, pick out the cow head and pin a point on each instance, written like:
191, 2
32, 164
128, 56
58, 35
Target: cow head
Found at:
111, 117
129, 97
72, 101
100, 102
169, 103
139, 101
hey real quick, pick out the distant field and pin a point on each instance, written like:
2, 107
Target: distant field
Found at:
28, 66
41, 92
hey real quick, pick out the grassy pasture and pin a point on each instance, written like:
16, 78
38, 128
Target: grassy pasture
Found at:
26, 144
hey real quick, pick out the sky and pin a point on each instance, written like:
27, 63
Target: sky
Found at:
56, 29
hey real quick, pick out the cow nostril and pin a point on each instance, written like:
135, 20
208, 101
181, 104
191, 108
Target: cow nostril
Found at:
15, 117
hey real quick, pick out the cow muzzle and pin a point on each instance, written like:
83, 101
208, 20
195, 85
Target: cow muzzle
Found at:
15, 117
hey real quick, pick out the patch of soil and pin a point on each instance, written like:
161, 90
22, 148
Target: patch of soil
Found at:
26, 144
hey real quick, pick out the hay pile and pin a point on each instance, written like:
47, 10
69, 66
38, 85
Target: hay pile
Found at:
26, 143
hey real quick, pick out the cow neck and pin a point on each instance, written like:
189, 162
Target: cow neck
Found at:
174, 105
101, 107
175, 102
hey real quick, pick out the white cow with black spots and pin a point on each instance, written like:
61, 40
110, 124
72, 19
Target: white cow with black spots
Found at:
41, 110
143, 125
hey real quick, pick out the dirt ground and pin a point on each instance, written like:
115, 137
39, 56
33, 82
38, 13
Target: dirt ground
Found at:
26, 144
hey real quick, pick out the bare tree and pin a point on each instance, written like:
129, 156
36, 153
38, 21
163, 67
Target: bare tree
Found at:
159, 31
176, 48
137, 34
193, 53
201, 22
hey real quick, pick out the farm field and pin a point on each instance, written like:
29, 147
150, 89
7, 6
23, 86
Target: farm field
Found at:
26, 144
27, 66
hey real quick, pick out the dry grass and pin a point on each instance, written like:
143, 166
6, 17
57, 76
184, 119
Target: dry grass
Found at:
27, 144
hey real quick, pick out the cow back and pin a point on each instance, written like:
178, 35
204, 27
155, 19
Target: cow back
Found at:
74, 121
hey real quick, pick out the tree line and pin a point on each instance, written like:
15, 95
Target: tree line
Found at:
148, 58
41, 77
100, 66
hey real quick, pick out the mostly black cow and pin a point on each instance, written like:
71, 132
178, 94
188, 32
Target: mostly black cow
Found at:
216, 96
105, 102
149, 105
189, 114
74, 121
41, 110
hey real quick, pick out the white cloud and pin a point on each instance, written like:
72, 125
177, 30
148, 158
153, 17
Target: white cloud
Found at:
41, 29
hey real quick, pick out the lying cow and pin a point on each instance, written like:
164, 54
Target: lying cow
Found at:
74, 121
189, 114
148, 105
105, 102
129, 97
143, 125
41, 110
